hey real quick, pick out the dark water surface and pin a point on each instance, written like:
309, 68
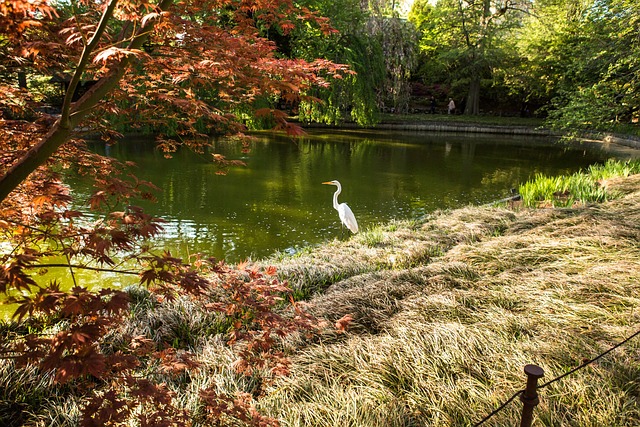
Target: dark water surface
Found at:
277, 203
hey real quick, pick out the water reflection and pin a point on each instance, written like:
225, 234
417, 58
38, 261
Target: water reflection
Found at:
276, 202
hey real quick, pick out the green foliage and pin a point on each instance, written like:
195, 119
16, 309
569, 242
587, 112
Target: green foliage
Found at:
463, 43
581, 187
353, 97
398, 42
379, 47
573, 60
584, 56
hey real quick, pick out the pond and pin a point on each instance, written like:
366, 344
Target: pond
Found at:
276, 203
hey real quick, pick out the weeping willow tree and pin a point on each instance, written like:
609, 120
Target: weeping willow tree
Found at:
352, 97
398, 40
378, 46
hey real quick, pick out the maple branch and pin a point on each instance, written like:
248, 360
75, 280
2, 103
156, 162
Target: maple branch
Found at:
77, 22
87, 51
66, 255
82, 267
61, 129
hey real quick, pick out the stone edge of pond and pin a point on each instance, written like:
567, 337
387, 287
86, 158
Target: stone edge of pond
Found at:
444, 127
607, 138
628, 141
468, 128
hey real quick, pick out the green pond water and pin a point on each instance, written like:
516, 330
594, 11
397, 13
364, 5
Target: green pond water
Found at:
278, 204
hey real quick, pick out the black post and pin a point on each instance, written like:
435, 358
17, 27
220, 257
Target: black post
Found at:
530, 396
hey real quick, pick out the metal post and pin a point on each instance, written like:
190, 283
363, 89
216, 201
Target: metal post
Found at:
530, 396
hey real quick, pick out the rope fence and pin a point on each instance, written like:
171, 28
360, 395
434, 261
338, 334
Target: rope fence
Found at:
529, 395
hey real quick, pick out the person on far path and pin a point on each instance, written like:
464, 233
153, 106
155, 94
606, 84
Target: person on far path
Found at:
433, 105
452, 106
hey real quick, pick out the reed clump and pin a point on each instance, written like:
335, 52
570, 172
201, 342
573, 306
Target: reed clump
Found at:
579, 188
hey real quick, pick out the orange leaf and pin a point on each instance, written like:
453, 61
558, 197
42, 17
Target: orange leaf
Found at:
343, 323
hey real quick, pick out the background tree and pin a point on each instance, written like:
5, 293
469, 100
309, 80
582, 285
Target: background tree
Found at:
584, 56
463, 43
376, 44
398, 40
355, 96
547, 52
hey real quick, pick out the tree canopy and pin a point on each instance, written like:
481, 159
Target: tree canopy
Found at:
590, 62
574, 61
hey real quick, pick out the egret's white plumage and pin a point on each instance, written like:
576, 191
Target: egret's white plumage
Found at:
344, 212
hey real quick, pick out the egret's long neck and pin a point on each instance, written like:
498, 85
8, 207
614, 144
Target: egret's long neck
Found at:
335, 197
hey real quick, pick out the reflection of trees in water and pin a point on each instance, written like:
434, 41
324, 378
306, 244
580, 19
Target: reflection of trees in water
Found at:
277, 202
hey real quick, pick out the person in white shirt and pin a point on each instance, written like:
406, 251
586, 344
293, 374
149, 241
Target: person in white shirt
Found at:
452, 106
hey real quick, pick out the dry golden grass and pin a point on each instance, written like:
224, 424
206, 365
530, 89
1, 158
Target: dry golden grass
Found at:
440, 337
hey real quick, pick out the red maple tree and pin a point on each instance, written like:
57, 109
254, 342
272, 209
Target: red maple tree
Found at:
190, 63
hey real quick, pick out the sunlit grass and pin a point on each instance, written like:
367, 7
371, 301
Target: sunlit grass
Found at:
581, 187
372, 237
444, 343
614, 168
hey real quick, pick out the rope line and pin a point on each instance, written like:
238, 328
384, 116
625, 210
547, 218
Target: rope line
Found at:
588, 362
585, 364
518, 393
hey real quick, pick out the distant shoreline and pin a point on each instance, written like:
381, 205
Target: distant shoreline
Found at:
497, 129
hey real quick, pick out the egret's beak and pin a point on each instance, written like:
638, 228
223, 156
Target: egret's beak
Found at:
328, 182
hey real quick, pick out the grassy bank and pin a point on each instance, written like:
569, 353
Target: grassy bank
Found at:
532, 122
446, 312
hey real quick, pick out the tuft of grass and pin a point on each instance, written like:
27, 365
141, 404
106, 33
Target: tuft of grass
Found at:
614, 168
26, 389
179, 322
372, 237
579, 188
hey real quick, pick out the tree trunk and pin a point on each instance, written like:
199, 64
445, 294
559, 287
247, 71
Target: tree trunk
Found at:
73, 113
22, 79
472, 106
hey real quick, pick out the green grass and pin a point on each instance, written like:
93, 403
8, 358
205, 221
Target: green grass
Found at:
581, 187
613, 168
445, 118
372, 237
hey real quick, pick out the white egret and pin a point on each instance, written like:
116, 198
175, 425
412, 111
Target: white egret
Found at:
345, 213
